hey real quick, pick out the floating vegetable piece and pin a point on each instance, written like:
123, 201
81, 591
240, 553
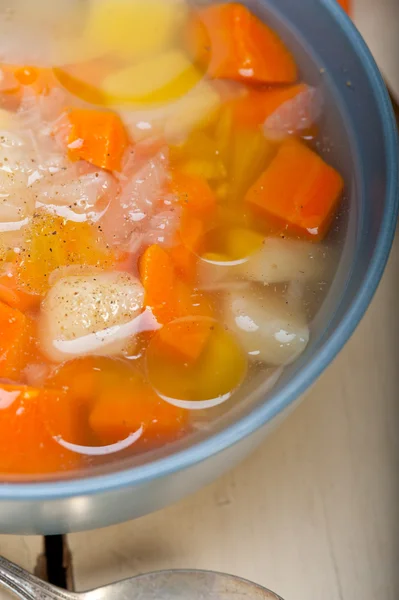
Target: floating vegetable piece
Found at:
193, 193
213, 376
98, 137
132, 29
170, 298
235, 243
95, 314
159, 79
298, 191
283, 260
249, 154
12, 294
158, 278
236, 45
175, 121
109, 401
26, 446
167, 296
129, 407
199, 156
50, 243
268, 328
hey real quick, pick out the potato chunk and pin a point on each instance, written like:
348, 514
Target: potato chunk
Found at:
90, 314
268, 328
284, 260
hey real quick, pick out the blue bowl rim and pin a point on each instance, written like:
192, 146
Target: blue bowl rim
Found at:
52, 490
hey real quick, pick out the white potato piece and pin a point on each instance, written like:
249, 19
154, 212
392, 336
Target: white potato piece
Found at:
90, 314
132, 29
283, 260
268, 328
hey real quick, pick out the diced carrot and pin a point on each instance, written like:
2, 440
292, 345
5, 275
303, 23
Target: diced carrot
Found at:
99, 137
16, 343
26, 446
192, 230
240, 47
170, 299
107, 401
124, 410
253, 108
11, 294
187, 337
193, 192
184, 262
298, 191
158, 278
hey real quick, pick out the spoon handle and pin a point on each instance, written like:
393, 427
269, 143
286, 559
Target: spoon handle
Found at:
27, 586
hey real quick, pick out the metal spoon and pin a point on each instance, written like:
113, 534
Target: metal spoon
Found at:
163, 585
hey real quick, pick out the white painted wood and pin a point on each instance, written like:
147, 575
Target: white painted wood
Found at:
314, 513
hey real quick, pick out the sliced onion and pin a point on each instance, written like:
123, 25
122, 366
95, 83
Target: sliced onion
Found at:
100, 450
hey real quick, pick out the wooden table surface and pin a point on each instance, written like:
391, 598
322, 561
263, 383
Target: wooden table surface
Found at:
313, 514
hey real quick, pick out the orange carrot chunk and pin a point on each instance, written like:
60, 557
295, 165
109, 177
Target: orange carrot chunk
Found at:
170, 298
193, 193
15, 341
124, 410
184, 261
11, 294
99, 137
158, 278
26, 446
237, 45
199, 204
298, 191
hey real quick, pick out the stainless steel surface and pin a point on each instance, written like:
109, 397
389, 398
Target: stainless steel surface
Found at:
164, 585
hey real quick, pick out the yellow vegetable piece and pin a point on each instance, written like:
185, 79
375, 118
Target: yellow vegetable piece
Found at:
241, 243
219, 370
196, 110
246, 153
158, 79
250, 153
134, 28
234, 243
199, 155
51, 242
